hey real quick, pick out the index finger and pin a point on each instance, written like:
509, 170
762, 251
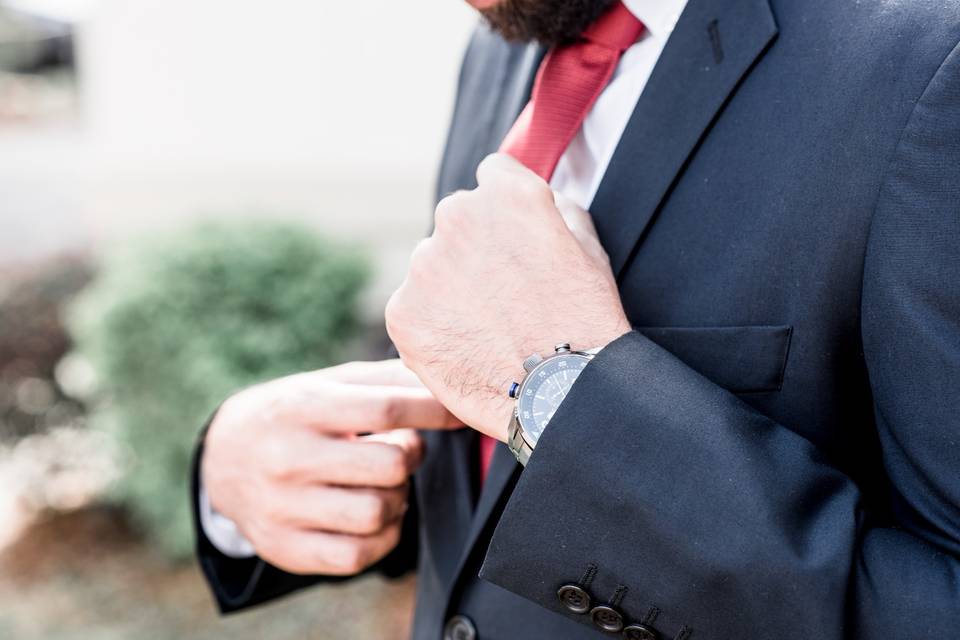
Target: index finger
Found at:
383, 372
350, 408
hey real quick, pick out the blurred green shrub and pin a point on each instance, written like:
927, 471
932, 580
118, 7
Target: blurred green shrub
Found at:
173, 325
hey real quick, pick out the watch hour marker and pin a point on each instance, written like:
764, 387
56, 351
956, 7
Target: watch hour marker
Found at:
546, 390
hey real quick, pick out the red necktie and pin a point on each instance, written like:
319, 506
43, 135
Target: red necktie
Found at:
569, 81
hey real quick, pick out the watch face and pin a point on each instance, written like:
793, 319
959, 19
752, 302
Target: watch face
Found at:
544, 389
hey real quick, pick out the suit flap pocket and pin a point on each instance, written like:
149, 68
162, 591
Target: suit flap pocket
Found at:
740, 359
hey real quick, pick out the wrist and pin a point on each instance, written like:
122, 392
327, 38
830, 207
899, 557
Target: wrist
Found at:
594, 337
498, 406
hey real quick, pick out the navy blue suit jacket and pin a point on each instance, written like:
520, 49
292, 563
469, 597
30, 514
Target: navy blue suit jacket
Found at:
774, 452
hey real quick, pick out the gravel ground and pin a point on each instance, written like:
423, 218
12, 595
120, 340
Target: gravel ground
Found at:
86, 576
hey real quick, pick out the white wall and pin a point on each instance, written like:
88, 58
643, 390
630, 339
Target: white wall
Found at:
329, 112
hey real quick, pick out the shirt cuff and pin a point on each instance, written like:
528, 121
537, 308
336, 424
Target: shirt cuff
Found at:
221, 531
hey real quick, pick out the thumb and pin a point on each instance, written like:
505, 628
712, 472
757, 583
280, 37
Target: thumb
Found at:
408, 440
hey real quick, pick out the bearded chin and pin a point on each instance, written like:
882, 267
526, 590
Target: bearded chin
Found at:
549, 22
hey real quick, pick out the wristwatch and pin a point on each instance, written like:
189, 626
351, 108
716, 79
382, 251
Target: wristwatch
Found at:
539, 394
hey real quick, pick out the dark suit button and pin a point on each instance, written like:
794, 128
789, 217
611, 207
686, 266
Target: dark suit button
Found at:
607, 618
459, 628
574, 598
639, 632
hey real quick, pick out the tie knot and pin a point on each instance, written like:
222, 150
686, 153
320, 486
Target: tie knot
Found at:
616, 28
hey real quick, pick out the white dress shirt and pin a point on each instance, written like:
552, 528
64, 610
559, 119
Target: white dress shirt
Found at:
577, 176
582, 166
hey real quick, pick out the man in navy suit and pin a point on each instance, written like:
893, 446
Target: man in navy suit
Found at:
724, 404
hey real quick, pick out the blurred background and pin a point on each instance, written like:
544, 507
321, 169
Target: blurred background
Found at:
193, 196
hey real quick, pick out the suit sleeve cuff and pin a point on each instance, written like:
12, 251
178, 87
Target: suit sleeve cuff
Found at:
581, 504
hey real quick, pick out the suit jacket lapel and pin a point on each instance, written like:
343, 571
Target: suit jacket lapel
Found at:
445, 492
454, 521
503, 470
712, 48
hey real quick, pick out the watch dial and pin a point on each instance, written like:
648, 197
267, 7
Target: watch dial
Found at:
543, 391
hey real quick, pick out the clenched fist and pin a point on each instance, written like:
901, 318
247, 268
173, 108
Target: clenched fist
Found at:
509, 270
313, 468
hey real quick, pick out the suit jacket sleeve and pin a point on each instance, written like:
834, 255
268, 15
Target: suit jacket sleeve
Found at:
240, 583
692, 503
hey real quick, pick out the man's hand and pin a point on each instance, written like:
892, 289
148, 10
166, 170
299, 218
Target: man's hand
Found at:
285, 462
503, 276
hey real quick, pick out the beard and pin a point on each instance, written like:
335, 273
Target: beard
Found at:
550, 22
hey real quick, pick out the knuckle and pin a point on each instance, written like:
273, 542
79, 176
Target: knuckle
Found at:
348, 558
271, 406
488, 166
289, 560
394, 467
371, 514
233, 423
274, 513
529, 189
275, 468
422, 258
417, 452
448, 209
403, 322
393, 535
225, 420
275, 460
393, 314
387, 413
266, 539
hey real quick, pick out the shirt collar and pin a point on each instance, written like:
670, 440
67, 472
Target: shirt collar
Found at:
658, 16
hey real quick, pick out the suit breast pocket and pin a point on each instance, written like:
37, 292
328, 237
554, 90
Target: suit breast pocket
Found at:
741, 359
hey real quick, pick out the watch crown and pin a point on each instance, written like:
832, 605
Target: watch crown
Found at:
563, 347
513, 389
532, 361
